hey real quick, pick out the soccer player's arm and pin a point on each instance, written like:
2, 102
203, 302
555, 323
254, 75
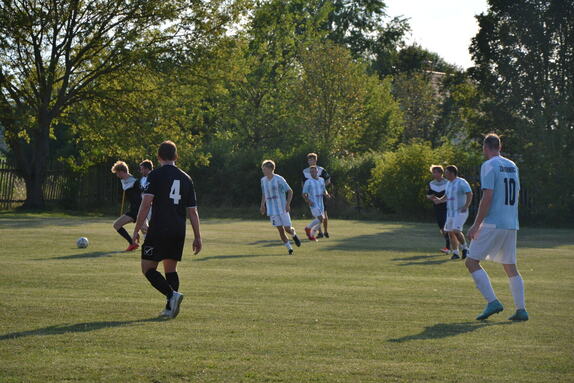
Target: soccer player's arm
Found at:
147, 200
326, 176
306, 194
469, 195
262, 206
191, 205
487, 185
430, 194
287, 188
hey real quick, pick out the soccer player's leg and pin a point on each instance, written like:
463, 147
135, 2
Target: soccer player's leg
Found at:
441, 221
154, 252
288, 227
515, 281
326, 223
449, 229
480, 248
171, 276
119, 227
283, 236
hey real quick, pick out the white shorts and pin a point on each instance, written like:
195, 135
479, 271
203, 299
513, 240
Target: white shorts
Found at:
317, 212
456, 222
281, 220
492, 244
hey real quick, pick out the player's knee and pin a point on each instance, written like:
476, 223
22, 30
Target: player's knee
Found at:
471, 264
117, 226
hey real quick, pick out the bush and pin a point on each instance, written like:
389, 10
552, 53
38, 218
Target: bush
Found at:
399, 180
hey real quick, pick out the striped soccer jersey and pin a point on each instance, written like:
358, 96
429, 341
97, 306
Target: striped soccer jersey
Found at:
274, 190
315, 188
456, 196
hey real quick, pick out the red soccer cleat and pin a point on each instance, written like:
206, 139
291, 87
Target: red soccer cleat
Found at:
308, 232
132, 247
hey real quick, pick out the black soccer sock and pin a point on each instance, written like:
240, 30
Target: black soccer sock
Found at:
123, 232
173, 280
158, 281
447, 241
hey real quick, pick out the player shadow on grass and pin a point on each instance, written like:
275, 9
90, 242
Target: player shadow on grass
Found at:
93, 254
423, 260
236, 256
78, 327
445, 330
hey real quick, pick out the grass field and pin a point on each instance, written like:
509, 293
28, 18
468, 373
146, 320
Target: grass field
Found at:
375, 303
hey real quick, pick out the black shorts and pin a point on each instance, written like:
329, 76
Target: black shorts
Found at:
440, 217
158, 249
133, 214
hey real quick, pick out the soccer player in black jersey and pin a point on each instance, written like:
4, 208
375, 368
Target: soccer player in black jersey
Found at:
435, 192
173, 196
132, 191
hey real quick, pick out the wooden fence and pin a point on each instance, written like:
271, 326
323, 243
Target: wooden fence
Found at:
95, 188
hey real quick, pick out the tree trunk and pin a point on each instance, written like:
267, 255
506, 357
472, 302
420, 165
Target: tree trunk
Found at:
37, 169
34, 183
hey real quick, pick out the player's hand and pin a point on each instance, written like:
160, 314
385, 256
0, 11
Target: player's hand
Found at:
463, 210
473, 232
262, 210
197, 245
328, 195
311, 203
136, 238
287, 209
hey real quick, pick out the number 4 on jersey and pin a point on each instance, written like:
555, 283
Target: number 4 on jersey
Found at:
174, 192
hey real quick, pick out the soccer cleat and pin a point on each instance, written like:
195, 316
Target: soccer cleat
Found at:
319, 235
132, 247
464, 253
309, 235
326, 235
444, 250
290, 251
297, 241
455, 256
174, 303
519, 315
490, 309
165, 313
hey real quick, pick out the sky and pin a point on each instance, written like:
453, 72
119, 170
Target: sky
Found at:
442, 26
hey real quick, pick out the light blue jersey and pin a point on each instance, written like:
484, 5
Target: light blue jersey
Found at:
456, 196
274, 190
501, 175
315, 188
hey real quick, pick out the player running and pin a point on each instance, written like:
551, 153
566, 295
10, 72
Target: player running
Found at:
313, 192
493, 233
173, 196
132, 191
273, 201
435, 192
146, 166
322, 173
458, 196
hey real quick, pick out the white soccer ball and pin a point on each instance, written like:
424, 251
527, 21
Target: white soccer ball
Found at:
82, 242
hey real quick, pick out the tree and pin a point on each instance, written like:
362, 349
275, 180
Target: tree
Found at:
420, 103
54, 54
415, 58
524, 64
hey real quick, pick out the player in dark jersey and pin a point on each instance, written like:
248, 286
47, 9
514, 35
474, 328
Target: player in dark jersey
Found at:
173, 196
132, 191
322, 173
435, 192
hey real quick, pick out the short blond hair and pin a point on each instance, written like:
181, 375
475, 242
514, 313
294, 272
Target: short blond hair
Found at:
436, 167
268, 164
120, 166
312, 155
